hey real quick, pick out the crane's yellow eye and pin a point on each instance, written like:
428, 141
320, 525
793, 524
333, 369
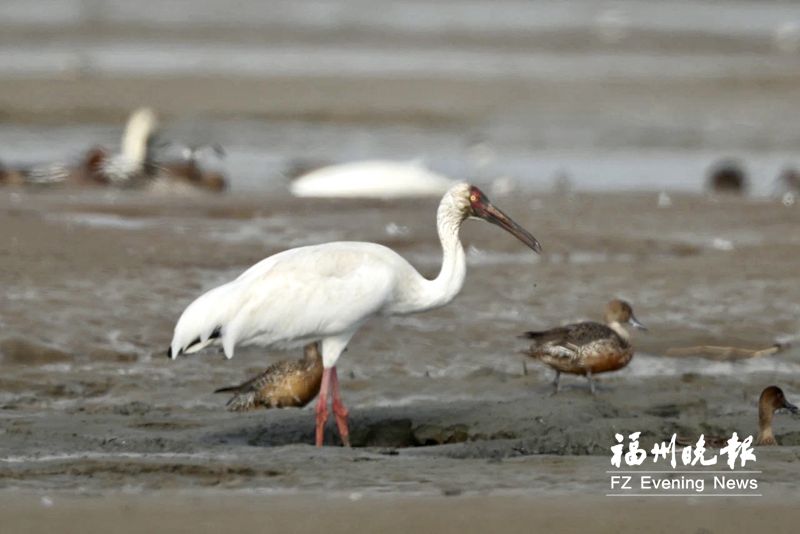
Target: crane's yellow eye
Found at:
473, 198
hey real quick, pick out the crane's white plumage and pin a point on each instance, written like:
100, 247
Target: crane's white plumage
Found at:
292, 298
326, 292
311, 293
371, 179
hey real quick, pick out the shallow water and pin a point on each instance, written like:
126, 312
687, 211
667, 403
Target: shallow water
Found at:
255, 163
607, 96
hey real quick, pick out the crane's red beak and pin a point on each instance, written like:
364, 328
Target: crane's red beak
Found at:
483, 209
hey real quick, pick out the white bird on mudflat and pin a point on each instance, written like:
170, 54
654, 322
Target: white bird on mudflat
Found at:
371, 179
135, 154
326, 292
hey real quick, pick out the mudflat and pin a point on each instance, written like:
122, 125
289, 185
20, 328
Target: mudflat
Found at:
448, 430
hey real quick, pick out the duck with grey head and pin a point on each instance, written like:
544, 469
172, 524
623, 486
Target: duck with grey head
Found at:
586, 348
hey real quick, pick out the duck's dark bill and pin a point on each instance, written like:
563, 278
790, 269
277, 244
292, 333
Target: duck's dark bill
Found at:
636, 324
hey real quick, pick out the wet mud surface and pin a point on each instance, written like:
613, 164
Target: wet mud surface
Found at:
439, 402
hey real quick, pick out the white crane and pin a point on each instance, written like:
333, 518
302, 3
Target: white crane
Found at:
371, 179
326, 292
136, 149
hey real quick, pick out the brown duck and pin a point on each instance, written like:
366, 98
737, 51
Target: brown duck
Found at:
587, 348
772, 399
283, 384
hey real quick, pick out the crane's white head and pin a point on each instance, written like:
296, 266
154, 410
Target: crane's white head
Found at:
469, 201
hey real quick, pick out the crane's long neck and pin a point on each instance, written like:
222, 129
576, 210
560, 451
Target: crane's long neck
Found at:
134, 155
140, 128
448, 283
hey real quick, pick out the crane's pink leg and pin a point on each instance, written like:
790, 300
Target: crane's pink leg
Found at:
322, 405
339, 410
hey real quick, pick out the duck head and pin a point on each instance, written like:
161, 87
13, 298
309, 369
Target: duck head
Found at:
620, 312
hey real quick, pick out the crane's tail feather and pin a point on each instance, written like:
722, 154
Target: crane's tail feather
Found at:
207, 318
228, 389
196, 345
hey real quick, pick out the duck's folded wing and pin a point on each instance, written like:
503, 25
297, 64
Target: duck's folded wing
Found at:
581, 334
577, 334
553, 335
560, 352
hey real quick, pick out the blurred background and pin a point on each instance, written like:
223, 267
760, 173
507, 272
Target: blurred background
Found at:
639, 94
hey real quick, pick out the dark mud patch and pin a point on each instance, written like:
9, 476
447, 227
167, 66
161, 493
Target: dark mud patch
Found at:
132, 408
80, 389
23, 428
365, 432
391, 433
101, 354
789, 439
31, 394
158, 474
166, 425
20, 351
676, 409
570, 424
402, 433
